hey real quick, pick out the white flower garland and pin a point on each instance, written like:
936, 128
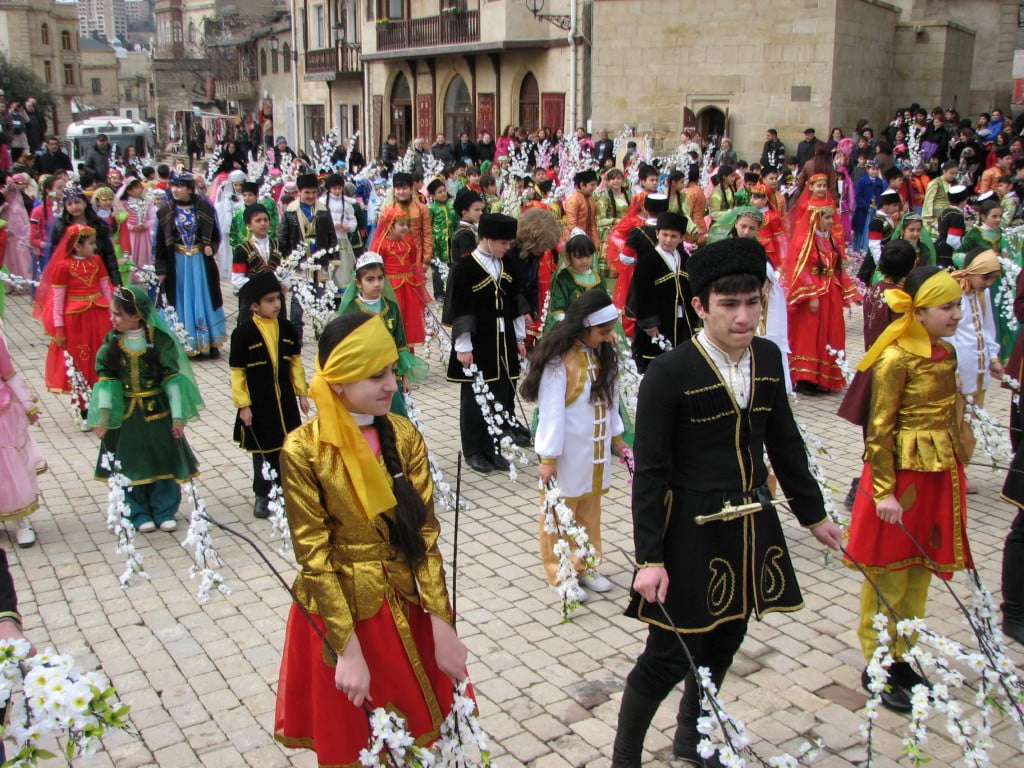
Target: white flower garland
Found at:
170, 316
279, 530
442, 488
841, 362
1007, 292
661, 342
299, 272
80, 391
392, 745
58, 699
434, 333
461, 729
573, 541
629, 379
119, 520
991, 435
17, 282
499, 422
206, 560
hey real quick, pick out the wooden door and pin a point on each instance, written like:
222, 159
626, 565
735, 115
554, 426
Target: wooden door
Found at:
552, 111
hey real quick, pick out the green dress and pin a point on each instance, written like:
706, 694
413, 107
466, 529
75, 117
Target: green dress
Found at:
566, 286
982, 237
139, 409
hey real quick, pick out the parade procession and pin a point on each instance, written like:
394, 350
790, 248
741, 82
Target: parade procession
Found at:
582, 442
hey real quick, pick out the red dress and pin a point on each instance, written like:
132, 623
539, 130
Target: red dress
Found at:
612, 251
814, 270
402, 269
75, 293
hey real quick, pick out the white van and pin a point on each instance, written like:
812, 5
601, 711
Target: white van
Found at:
121, 131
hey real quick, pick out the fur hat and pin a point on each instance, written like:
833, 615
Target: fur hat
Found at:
731, 256
465, 199
670, 220
497, 226
307, 181
258, 286
252, 210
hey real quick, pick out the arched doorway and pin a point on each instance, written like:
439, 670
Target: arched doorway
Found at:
401, 111
458, 110
711, 122
529, 103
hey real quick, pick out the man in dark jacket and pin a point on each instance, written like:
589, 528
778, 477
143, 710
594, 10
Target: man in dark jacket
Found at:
701, 438
773, 154
51, 158
442, 150
604, 149
485, 148
805, 149
307, 220
35, 125
97, 160
389, 152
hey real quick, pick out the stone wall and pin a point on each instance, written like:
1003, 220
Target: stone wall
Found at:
862, 72
932, 64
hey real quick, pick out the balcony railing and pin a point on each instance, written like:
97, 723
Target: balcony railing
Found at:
236, 89
429, 31
325, 63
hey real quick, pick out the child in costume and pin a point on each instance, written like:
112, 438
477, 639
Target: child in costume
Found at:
145, 395
73, 303
818, 288
266, 379
988, 234
401, 264
371, 293
136, 234
976, 342
103, 202
572, 378
575, 275
258, 254
370, 571
20, 459
913, 394
896, 262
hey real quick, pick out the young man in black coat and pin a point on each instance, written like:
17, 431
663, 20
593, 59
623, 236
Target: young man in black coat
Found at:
487, 309
706, 413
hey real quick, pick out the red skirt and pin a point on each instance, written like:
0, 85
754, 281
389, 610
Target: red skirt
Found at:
411, 306
810, 333
937, 519
85, 332
312, 713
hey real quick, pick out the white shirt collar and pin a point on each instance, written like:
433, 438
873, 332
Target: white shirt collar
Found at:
735, 375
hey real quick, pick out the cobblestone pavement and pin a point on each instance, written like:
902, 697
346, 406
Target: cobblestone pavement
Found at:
201, 679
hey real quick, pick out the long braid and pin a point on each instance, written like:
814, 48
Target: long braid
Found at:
410, 512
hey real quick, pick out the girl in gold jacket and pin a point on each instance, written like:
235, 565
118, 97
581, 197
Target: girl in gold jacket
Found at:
358, 496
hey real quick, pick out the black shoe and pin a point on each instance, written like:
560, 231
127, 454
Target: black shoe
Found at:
214, 353
261, 509
479, 463
500, 462
893, 698
521, 436
905, 676
851, 496
1014, 630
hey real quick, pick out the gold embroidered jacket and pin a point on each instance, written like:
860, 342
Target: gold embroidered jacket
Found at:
347, 568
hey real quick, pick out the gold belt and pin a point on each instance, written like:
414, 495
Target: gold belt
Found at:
136, 398
187, 251
823, 272
366, 553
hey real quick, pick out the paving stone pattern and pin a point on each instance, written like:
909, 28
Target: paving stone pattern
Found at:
201, 679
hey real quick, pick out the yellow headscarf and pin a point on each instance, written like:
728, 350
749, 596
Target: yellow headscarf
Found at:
937, 290
985, 263
362, 353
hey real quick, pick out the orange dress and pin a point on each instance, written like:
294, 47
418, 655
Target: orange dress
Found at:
405, 274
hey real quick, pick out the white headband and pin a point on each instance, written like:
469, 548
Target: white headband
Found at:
601, 316
369, 258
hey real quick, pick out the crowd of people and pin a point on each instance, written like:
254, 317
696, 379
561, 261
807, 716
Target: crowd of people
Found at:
731, 282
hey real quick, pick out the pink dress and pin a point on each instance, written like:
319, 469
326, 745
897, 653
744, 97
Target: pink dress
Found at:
19, 249
139, 228
20, 458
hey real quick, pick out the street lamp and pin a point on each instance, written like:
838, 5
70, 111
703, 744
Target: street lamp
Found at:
536, 6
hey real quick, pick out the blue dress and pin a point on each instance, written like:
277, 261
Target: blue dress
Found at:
204, 323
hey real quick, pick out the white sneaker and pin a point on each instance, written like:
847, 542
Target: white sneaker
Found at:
147, 527
582, 597
596, 583
85, 427
169, 525
25, 535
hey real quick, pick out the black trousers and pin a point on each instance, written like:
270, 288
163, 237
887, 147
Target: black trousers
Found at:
476, 440
261, 486
1013, 572
662, 665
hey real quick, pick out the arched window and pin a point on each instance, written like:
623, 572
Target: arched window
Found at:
263, 61
529, 103
191, 31
65, 41
711, 122
273, 61
45, 34
286, 51
459, 113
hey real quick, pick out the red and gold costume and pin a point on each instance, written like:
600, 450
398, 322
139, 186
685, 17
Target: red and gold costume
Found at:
341, 505
581, 211
613, 249
913, 453
73, 301
420, 228
405, 272
814, 270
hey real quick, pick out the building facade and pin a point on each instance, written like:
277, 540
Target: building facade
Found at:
43, 35
99, 77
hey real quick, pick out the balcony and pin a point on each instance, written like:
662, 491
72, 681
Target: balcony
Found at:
429, 31
328, 63
236, 90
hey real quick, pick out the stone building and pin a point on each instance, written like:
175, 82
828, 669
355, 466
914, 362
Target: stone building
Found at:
108, 18
659, 66
99, 77
43, 35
